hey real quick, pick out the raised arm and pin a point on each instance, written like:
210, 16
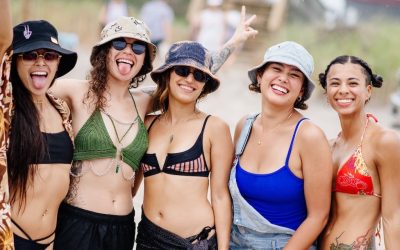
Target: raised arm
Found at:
388, 158
242, 33
317, 173
5, 27
221, 161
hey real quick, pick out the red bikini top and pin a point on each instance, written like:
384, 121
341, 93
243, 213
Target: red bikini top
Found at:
353, 177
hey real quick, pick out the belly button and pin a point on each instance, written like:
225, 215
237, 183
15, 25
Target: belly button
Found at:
113, 201
45, 212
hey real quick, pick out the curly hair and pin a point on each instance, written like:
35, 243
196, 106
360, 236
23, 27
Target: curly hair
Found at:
371, 78
299, 103
98, 75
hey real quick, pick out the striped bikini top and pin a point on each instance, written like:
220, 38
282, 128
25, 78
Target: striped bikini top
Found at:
353, 176
187, 163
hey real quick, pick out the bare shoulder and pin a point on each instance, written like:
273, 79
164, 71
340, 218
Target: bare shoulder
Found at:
384, 138
148, 89
149, 119
217, 124
310, 132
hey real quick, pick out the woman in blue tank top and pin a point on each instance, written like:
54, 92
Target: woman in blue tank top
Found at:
281, 179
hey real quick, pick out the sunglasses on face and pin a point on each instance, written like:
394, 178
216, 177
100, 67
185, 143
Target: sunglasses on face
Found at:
137, 48
48, 56
198, 75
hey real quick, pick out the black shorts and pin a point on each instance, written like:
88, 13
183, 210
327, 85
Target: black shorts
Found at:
151, 236
81, 229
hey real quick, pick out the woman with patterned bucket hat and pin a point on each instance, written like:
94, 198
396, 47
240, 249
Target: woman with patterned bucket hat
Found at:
186, 147
39, 154
365, 159
110, 136
281, 179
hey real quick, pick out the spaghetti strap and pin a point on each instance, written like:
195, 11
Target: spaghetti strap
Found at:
134, 103
292, 141
204, 124
152, 122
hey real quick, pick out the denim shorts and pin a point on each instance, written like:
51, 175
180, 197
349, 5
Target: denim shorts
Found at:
245, 238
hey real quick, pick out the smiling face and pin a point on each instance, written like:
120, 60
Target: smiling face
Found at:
347, 89
123, 63
281, 84
185, 88
37, 74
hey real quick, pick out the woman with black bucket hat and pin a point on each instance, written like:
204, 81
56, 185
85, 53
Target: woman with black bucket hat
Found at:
281, 179
186, 147
110, 136
40, 148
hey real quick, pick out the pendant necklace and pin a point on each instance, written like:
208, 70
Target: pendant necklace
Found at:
279, 124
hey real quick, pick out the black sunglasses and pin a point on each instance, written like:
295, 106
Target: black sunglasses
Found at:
198, 75
32, 56
137, 48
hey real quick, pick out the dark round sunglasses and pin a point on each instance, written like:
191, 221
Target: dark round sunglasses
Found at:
137, 48
198, 75
32, 56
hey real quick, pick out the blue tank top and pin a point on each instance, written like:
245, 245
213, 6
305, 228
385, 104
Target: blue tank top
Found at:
277, 196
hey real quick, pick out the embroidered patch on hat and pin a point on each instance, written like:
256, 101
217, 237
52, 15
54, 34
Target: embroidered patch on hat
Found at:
53, 40
27, 32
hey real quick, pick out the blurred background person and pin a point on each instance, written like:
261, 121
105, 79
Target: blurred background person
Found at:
111, 10
158, 16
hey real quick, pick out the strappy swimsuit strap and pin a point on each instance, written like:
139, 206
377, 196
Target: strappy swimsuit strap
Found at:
204, 125
134, 103
363, 133
27, 235
152, 122
292, 141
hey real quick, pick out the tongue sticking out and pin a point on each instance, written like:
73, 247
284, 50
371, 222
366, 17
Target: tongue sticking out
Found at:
39, 82
124, 68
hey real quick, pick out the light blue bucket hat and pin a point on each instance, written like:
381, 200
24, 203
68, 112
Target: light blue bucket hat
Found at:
290, 53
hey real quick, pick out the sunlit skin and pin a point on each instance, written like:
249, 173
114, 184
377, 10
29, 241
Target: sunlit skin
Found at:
267, 147
51, 182
38, 75
281, 83
350, 223
124, 59
347, 90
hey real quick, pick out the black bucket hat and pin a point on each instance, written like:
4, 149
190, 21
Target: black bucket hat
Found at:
40, 34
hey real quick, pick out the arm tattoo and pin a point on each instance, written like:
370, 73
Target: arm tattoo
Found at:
362, 242
219, 57
76, 173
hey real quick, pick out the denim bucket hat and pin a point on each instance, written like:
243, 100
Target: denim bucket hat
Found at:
128, 27
290, 53
40, 34
188, 53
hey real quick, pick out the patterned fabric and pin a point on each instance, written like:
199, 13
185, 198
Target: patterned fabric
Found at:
6, 236
65, 113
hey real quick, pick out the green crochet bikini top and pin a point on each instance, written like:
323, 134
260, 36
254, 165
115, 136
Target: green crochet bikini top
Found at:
94, 142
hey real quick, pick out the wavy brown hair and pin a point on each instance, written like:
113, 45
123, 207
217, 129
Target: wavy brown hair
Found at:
98, 75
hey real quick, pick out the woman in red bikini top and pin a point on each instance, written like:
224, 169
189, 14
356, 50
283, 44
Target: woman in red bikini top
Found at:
365, 157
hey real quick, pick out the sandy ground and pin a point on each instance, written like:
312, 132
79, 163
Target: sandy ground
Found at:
233, 100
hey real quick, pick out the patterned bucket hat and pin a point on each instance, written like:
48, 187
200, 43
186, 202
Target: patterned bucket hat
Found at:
290, 53
189, 53
128, 27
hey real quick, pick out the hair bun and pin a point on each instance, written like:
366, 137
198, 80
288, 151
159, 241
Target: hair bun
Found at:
377, 81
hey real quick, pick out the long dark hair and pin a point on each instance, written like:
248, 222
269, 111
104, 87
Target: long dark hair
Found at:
27, 145
98, 75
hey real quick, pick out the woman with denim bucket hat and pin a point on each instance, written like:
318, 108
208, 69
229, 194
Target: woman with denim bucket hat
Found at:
110, 136
281, 178
39, 154
186, 147
365, 159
